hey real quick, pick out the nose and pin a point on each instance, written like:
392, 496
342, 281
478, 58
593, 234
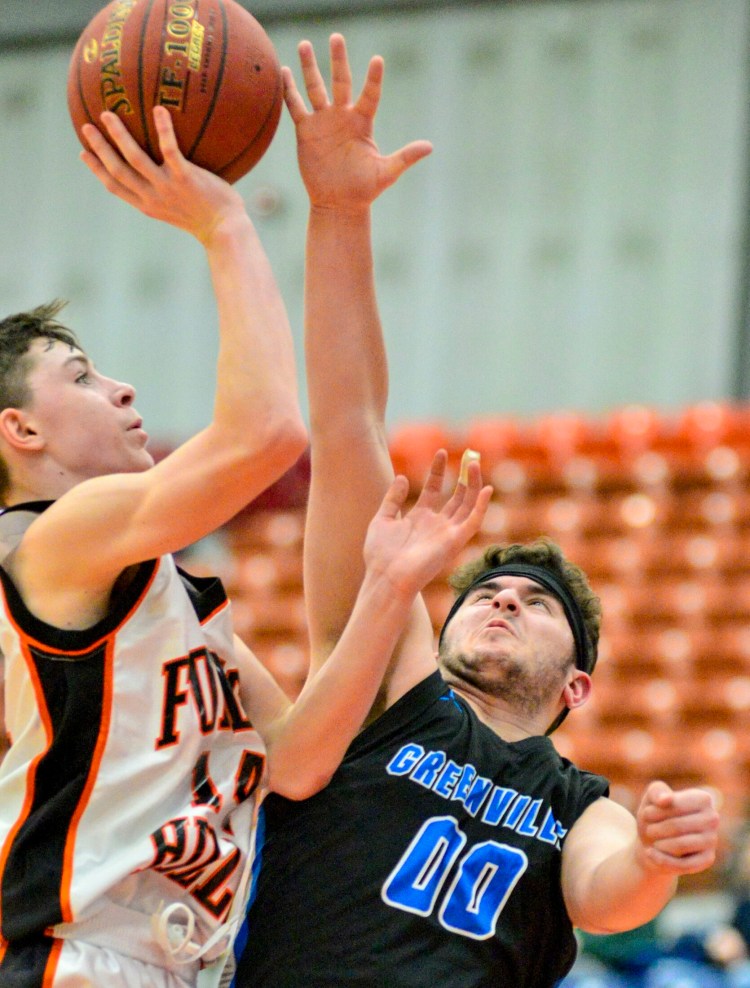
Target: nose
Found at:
123, 394
506, 600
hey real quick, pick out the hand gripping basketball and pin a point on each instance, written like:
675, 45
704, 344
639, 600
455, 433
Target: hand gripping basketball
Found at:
212, 65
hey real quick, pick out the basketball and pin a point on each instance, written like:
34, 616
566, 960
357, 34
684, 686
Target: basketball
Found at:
208, 61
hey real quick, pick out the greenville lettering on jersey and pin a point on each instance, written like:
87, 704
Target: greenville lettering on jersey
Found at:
199, 676
500, 806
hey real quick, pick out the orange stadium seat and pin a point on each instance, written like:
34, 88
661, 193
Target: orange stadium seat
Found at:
267, 529
273, 569
714, 423
636, 752
710, 552
671, 649
495, 437
707, 508
413, 445
635, 428
682, 602
513, 456
651, 447
288, 662
721, 699
609, 557
271, 614
564, 434
730, 644
634, 701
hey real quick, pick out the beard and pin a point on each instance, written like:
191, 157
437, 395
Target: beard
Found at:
525, 689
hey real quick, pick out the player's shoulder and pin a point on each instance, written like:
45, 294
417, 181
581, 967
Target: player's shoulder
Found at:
15, 522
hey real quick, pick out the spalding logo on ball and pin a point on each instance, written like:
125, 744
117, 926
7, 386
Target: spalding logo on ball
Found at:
208, 61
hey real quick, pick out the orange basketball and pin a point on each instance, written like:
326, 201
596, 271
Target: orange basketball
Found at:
208, 61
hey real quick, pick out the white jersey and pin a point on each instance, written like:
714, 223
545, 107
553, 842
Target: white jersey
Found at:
132, 774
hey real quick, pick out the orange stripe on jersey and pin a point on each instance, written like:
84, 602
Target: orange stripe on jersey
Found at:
90, 646
136, 604
31, 667
215, 611
101, 741
28, 801
51, 968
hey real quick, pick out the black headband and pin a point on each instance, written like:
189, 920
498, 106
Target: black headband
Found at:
585, 651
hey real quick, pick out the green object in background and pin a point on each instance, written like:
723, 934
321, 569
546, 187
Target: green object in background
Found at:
624, 951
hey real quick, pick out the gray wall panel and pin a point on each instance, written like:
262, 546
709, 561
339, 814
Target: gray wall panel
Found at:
575, 240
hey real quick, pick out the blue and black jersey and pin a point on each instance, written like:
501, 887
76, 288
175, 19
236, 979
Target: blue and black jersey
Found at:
432, 858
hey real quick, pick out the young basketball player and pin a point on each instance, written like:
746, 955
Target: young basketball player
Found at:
453, 847
137, 720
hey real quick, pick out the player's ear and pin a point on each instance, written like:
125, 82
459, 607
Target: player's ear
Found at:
577, 690
18, 430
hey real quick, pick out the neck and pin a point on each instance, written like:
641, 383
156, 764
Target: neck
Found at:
497, 714
46, 485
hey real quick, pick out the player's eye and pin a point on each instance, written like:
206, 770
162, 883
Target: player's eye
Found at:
484, 595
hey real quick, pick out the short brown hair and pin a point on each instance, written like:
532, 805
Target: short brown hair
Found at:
548, 555
17, 333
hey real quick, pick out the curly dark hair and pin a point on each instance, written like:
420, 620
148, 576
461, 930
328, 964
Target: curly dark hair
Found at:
17, 333
547, 554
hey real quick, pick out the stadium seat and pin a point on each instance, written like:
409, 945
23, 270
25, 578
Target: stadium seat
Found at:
414, 444
496, 438
707, 424
635, 428
564, 434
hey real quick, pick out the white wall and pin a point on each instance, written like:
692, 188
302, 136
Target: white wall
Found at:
574, 240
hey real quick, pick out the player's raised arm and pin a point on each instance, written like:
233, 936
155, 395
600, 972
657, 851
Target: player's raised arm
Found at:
256, 432
403, 551
346, 367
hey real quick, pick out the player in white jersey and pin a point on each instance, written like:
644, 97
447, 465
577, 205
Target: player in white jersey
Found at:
127, 796
139, 762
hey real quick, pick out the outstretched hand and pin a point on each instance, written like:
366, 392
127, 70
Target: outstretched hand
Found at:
411, 549
339, 160
677, 829
177, 191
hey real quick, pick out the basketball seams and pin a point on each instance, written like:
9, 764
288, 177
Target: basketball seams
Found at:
224, 119
273, 110
142, 49
79, 82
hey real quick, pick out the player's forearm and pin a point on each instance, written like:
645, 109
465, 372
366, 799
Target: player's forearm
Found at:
308, 746
347, 387
343, 335
624, 892
256, 387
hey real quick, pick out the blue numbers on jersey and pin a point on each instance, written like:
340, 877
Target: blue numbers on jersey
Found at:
415, 884
487, 874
